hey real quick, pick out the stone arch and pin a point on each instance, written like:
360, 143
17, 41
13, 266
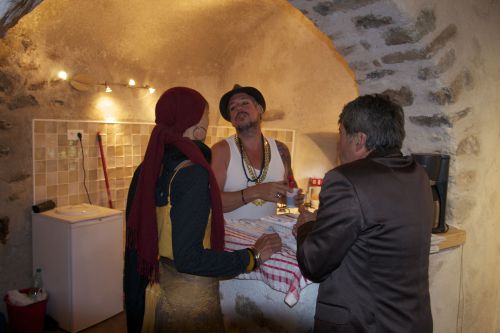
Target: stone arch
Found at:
413, 60
406, 58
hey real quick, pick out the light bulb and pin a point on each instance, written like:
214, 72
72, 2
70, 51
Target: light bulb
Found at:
62, 75
151, 90
131, 82
108, 89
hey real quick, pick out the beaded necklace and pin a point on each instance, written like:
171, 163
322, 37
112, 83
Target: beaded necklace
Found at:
245, 163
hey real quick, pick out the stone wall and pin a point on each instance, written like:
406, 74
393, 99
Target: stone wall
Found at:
17, 104
438, 59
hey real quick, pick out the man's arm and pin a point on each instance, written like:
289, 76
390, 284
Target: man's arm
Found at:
220, 161
323, 244
305, 216
287, 160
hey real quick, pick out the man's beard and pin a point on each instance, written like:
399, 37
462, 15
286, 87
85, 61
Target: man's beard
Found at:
245, 128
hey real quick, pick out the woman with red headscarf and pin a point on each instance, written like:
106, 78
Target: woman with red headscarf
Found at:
171, 238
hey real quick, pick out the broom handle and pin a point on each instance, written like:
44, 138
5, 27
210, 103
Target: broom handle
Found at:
104, 169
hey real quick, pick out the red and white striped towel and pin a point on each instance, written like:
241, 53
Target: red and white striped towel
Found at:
281, 272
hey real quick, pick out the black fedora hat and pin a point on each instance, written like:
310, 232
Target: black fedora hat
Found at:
251, 91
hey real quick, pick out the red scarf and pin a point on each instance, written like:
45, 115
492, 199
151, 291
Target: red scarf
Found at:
177, 110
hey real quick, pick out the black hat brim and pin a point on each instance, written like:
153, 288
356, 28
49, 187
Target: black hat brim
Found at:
251, 91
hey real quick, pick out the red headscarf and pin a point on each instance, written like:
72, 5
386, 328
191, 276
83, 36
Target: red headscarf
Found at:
177, 109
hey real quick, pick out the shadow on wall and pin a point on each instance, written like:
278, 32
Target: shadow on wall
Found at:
327, 143
272, 115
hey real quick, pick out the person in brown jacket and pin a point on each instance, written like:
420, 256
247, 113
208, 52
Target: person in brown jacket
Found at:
368, 246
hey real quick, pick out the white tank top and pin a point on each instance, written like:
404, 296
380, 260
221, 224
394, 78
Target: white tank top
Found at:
236, 181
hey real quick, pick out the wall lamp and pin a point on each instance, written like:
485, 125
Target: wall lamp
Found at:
83, 82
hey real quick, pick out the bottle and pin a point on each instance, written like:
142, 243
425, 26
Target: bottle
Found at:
313, 191
37, 284
291, 193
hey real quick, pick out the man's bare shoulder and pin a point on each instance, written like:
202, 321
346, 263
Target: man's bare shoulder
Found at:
285, 157
284, 151
221, 147
221, 156
221, 153
282, 147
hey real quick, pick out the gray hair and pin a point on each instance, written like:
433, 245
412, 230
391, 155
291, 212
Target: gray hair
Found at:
381, 119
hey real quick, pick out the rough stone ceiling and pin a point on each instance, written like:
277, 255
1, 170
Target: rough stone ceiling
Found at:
138, 35
11, 11
129, 22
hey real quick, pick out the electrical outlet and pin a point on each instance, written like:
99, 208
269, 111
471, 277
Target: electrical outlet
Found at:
73, 134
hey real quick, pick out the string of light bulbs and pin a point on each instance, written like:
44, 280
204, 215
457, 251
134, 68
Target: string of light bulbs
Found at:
84, 82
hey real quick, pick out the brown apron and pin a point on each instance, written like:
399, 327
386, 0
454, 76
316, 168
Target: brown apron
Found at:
180, 302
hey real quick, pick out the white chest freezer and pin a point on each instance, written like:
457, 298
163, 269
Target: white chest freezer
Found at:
80, 250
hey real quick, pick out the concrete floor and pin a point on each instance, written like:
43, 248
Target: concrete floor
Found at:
116, 324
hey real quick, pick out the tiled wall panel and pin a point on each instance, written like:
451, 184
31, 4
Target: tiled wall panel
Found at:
58, 162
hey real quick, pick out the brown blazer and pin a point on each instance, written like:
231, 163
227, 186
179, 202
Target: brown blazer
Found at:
369, 247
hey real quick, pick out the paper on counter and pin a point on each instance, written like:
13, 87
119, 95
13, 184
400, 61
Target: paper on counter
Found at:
435, 241
283, 225
281, 218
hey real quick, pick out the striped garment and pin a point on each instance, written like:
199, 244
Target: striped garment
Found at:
281, 272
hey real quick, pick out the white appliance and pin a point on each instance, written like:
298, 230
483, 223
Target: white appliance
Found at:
80, 250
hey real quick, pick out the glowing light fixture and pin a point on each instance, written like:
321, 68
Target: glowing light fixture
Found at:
108, 88
151, 89
62, 75
131, 83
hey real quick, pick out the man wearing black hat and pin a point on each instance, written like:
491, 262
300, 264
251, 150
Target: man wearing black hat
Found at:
252, 171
